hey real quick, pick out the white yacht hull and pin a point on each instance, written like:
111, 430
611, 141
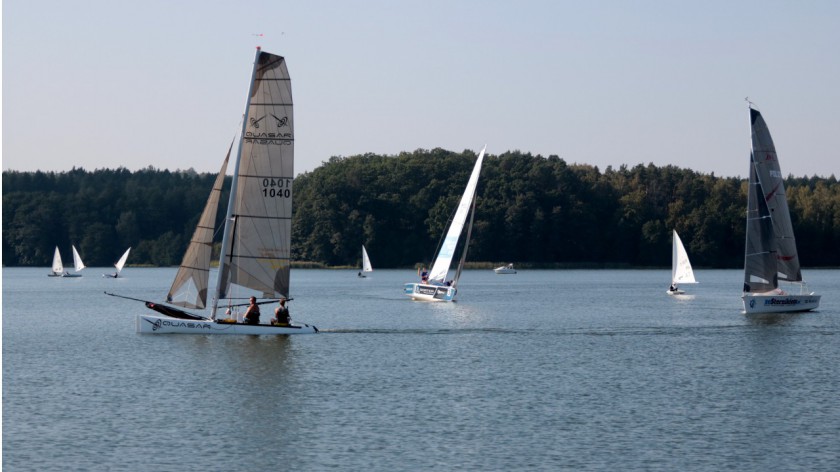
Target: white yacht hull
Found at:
151, 324
430, 293
675, 292
779, 303
503, 270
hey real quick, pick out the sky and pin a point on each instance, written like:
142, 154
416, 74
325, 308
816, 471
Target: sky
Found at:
98, 84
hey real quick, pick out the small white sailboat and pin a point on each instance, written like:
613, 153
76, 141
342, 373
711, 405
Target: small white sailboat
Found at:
505, 269
770, 254
77, 262
57, 265
366, 267
256, 243
434, 286
119, 265
681, 272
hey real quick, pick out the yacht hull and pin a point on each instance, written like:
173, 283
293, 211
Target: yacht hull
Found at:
430, 293
150, 324
779, 303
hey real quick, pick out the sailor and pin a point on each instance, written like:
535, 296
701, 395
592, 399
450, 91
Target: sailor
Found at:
252, 315
281, 314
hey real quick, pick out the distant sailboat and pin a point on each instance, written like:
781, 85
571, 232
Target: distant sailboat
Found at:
770, 254
681, 272
434, 286
119, 265
366, 267
57, 265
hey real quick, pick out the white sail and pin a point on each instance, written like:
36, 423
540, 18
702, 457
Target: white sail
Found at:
681, 272
366, 267
121, 263
57, 265
440, 268
77, 260
257, 237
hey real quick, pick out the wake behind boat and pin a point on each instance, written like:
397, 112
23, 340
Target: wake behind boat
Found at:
256, 241
770, 254
434, 286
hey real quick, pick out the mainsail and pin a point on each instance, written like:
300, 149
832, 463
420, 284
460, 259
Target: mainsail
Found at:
770, 252
366, 267
440, 268
681, 271
121, 263
189, 289
77, 260
57, 265
257, 238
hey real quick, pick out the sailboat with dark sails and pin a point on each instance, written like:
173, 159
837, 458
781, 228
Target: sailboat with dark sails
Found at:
255, 253
770, 255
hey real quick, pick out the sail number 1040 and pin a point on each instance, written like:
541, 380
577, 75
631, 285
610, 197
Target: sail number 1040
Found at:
277, 188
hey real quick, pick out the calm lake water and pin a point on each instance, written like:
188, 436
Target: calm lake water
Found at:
542, 370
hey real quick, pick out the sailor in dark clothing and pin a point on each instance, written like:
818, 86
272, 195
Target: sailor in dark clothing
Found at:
252, 315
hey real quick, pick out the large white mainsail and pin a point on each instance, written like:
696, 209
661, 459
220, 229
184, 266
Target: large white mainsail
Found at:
366, 267
121, 263
57, 265
257, 238
681, 271
189, 289
770, 251
77, 260
440, 268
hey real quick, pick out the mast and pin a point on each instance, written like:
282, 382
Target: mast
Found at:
234, 184
466, 245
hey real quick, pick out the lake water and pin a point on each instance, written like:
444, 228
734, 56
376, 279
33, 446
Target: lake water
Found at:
542, 370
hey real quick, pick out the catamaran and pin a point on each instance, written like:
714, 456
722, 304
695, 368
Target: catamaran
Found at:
770, 256
256, 241
366, 267
119, 265
681, 272
434, 286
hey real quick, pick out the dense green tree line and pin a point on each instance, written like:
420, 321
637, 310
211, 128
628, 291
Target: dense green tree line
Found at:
529, 209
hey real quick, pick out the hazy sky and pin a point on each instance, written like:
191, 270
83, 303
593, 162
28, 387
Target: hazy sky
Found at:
110, 83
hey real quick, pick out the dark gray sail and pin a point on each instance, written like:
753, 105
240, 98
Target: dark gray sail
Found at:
770, 253
189, 289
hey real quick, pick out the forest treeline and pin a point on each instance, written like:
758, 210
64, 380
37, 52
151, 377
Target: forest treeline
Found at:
530, 209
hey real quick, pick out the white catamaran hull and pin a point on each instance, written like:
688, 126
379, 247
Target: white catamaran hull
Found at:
430, 293
780, 303
150, 324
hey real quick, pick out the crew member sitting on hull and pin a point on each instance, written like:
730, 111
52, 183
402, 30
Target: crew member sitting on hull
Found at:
281, 314
252, 315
